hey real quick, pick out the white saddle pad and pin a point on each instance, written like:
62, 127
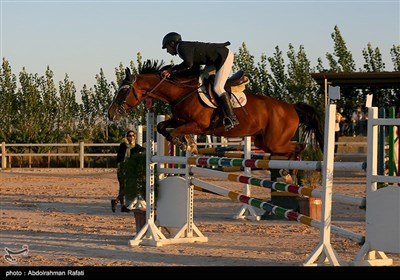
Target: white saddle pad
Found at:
238, 99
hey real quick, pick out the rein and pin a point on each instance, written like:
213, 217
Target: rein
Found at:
183, 98
155, 96
173, 103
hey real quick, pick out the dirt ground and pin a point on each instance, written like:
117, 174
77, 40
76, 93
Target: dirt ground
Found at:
64, 217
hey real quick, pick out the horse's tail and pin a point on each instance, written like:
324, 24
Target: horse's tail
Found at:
311, 122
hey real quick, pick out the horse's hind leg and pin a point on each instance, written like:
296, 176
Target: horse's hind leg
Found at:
289, 150
290, 176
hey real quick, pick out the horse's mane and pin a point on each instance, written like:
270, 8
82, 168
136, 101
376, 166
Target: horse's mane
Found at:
155, 67
151, 66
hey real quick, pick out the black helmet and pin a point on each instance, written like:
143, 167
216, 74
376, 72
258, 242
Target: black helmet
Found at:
171, 37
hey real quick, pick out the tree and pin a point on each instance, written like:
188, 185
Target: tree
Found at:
374, 63
373, 59
68, 110
278, 77
263, 85
395, 54
8, 102
245, 61
87, 114
301, 86
101, 101
29, 112
49, 100
344, 62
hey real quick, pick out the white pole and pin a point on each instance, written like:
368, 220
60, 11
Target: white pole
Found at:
324, 250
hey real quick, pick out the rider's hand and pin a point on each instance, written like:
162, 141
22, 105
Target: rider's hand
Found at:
166, 73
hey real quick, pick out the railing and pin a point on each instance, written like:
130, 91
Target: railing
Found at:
6, 156
80, 154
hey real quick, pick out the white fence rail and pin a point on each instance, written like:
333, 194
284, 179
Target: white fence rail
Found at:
6, 155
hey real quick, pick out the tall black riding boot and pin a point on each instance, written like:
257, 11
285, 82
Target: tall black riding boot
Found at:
230, 119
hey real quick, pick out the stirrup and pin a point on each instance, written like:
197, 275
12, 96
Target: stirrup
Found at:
228, 123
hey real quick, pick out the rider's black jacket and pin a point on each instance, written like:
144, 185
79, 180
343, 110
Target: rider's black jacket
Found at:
195, 54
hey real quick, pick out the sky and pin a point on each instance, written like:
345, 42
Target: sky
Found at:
79, 38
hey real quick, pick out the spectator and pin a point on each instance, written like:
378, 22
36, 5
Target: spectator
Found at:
339, 119
127, 148
358, 122
344, 124
364, 123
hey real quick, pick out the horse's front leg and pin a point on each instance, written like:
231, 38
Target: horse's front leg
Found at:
180, 142
188, 129
165, 128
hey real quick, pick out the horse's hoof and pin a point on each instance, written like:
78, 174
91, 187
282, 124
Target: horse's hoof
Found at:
183, 147
286, 177
193, 149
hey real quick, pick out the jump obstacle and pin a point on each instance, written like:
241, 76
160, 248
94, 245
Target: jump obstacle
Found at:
175, 206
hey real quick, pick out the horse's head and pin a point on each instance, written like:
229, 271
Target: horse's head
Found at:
149, 83
124, 99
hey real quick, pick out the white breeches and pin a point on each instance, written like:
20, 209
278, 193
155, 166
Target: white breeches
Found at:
223, 74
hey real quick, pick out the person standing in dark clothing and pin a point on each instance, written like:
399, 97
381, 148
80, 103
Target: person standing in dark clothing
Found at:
338, 120
195, 54
127, 148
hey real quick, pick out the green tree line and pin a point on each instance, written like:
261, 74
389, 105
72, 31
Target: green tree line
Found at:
34, 109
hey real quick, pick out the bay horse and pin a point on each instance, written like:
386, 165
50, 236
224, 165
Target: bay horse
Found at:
273, 123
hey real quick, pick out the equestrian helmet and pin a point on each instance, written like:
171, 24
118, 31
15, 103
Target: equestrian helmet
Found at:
171, 37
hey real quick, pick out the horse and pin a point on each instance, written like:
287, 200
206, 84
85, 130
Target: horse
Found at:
272, 122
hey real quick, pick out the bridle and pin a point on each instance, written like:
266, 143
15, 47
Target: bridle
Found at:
121, 98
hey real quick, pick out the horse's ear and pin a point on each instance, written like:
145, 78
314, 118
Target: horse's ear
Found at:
128, 76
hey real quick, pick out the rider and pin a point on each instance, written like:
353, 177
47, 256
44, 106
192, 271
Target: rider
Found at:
195, 54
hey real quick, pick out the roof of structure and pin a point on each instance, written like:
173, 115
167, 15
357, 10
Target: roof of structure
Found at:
359, 79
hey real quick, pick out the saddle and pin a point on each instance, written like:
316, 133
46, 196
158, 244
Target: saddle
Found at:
235, 85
